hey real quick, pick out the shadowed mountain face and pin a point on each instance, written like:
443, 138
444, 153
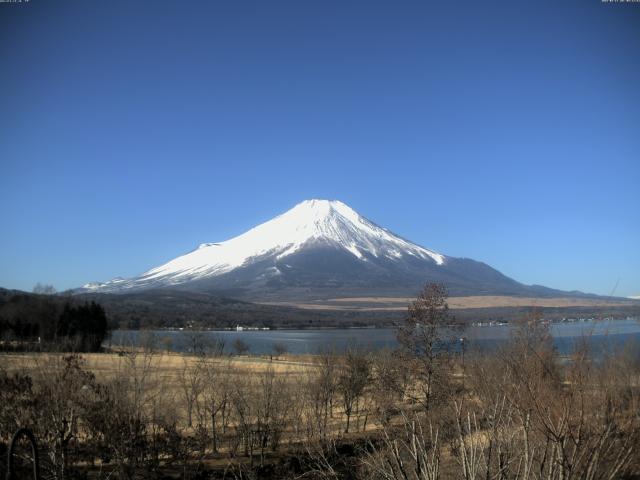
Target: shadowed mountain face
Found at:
326, 271
319, 249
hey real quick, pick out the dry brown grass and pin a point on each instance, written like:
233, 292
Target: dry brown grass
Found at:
479, 301
167, 365
166, 371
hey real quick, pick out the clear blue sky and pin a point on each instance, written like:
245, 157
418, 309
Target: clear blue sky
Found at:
507, 132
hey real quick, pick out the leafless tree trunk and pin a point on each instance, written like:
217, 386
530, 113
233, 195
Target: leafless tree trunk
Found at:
191, 381
353, 378
426, 336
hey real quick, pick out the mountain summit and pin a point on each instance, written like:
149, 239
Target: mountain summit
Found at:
318, 249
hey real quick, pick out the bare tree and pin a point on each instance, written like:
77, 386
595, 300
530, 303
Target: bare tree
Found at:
216, 393
217, 345
412, 452
426, 336
320, 385
191, 381
240, 346
241, 396
353, 377
389, 383
122, 412
279, 349
535, 418
272, 402
60, 401
202, 343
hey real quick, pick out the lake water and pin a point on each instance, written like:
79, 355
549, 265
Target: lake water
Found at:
599, 334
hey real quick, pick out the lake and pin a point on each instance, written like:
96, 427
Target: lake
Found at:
599, 334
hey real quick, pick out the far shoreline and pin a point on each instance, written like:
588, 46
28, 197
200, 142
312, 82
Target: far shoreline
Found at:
480, 324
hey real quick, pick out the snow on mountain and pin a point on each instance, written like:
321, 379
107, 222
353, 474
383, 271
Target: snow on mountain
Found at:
309, 223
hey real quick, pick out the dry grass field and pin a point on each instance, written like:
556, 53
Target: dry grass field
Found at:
479, 301
169, 367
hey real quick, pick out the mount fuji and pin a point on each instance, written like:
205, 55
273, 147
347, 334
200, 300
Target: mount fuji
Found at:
318, 249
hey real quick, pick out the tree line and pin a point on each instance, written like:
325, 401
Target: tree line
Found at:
46, 322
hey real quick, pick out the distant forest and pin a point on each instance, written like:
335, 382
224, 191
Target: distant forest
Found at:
48, 322
84, 319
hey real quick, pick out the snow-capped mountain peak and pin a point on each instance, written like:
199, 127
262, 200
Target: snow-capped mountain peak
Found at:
308, 224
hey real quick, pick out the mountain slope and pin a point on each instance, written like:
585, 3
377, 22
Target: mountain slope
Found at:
319, 249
